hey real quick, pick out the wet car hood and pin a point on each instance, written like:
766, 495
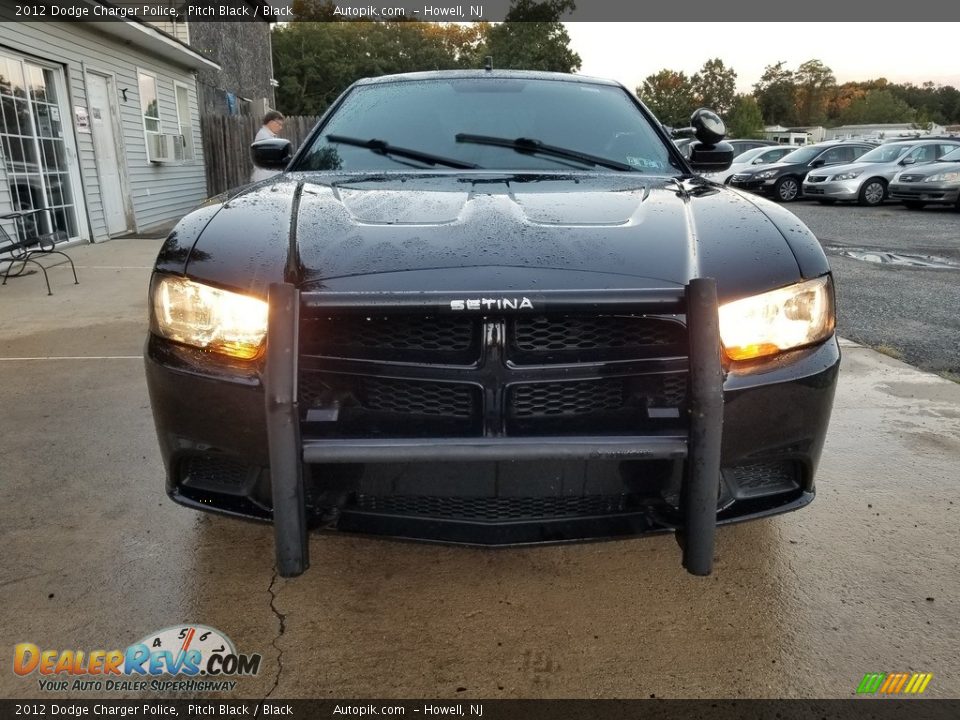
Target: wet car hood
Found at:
497, 232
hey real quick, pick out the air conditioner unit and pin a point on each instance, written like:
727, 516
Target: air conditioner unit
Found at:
164, 148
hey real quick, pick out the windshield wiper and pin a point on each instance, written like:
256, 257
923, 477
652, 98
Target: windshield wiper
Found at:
381, 147
531, 145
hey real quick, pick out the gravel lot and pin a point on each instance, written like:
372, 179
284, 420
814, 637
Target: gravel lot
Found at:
908, 312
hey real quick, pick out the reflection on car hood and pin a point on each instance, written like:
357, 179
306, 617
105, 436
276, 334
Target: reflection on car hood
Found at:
486, 231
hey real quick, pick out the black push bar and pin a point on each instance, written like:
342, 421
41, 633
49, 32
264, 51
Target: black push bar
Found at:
700, 445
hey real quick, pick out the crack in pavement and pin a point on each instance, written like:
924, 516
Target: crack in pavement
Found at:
283, 627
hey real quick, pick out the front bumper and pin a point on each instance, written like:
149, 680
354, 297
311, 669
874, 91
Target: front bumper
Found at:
212, 420
760, 187
835, 189
934, 193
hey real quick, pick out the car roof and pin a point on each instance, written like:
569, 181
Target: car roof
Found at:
499, 74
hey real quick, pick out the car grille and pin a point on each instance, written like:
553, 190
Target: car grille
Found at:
910, 178
472, 376
426, 338
740, 178
495, 509
816, 178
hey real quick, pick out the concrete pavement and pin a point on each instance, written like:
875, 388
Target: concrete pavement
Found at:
94, 556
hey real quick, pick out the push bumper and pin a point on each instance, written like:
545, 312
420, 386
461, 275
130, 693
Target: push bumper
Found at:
701, 444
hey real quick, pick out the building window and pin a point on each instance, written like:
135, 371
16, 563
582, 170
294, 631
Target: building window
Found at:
149, 106
184, 121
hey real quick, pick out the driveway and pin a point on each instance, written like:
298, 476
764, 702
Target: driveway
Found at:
866, 579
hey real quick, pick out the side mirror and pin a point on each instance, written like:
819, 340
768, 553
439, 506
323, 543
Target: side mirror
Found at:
758, 161
710, 158
819, 162
272, 154
908, 161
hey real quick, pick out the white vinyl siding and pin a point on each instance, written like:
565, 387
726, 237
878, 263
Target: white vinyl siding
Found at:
160, 192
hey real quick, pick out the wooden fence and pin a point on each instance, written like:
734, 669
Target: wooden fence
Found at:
226, 146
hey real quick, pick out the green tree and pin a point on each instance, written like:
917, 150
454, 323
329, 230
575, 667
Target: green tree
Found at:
878, 106
533, 38
315, 61
815, 84
775, 94
669, 94
745, 119
715, 86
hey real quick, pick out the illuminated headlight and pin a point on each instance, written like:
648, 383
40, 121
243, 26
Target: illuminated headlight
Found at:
208, 317
848, 175
778, 320
765, 174
952, 176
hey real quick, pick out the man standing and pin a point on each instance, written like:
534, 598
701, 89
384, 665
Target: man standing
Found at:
272, 125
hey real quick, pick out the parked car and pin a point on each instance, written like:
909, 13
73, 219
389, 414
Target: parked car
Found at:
491, 307
866, 180
741, 146
783, 181
934, 184
750, 159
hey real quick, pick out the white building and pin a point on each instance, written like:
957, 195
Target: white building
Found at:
804, 135
99, 129
882, 131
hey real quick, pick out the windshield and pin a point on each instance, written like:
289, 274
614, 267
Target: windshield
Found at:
952, 156
432, 117
803, 155
885, 154
748, 155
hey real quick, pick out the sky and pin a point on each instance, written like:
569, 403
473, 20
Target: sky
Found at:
629, 52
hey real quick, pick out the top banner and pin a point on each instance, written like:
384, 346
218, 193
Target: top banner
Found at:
738, 11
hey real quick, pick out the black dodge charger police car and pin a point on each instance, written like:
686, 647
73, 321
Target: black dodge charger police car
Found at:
492, 307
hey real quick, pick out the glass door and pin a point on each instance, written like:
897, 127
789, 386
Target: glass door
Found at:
32, 129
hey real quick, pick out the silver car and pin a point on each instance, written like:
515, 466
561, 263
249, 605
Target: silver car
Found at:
938, 184
749, 159
867, 179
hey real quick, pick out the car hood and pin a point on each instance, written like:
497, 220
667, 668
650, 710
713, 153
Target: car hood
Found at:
927, 169
778, 166
498, 232
830, 170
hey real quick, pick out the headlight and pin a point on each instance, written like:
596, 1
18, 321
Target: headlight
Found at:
209, 318
847, 175
778, 320
765, 174
952, 176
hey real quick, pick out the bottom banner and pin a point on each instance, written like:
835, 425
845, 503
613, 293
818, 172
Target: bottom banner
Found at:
875, 709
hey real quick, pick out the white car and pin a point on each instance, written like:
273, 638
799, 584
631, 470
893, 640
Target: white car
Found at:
750, 158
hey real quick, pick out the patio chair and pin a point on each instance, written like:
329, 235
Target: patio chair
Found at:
17, 253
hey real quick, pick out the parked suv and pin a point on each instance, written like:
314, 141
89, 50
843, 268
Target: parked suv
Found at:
783, 181
937, 183
866, 180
